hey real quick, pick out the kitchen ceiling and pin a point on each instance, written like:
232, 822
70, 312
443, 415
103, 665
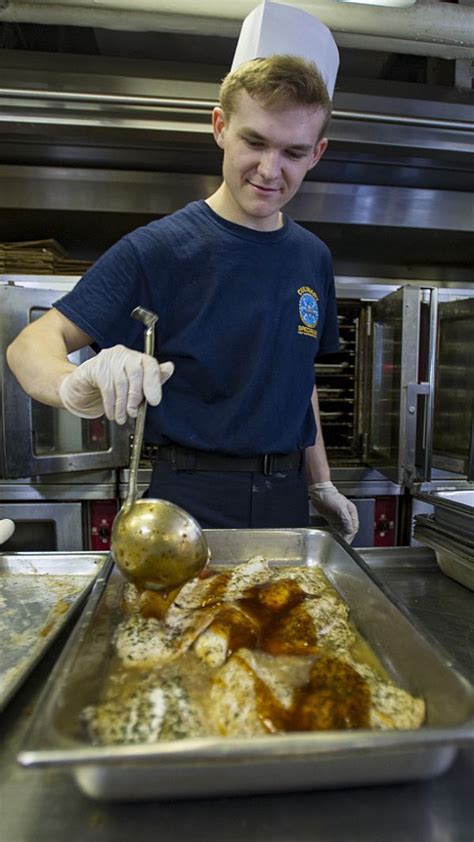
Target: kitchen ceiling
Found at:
427, 27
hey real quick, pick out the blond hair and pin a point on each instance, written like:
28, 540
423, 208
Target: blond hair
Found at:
277, 81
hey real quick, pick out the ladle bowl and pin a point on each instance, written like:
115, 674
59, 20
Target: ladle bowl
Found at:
155, 544
158, 545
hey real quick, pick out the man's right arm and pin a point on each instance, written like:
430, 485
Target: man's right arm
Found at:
113, 383
38, 355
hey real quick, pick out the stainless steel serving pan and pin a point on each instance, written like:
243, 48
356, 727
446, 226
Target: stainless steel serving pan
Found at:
437, 530
39, 592
453, 510
455, 558
213, 766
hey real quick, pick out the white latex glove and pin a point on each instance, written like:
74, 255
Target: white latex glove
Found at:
114, 383
7, 528
339, 512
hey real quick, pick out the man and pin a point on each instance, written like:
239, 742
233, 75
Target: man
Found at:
245, 299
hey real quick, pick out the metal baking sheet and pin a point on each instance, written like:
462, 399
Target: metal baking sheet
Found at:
218, 766
38, 594
453, 510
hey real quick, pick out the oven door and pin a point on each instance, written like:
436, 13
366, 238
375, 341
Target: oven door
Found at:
39, 439
391, 384
44, 527
419, 385
453, 429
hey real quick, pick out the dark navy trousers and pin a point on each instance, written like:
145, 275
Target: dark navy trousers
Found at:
235, 499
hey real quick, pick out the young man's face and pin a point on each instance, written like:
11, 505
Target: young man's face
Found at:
267, 153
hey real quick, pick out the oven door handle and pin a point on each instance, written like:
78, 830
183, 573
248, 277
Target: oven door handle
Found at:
428, 389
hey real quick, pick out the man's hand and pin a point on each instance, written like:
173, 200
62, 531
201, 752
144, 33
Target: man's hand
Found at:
339, 512
7, 528
115, 382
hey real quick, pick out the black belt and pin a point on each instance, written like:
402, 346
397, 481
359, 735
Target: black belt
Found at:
187, 459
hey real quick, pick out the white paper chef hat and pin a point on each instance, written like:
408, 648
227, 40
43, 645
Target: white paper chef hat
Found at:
275, 28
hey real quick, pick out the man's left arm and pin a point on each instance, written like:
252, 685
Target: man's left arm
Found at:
340, 513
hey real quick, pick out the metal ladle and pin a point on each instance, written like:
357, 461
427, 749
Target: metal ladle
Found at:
155, 544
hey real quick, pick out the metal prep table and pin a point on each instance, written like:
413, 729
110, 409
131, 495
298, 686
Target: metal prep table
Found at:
45, 805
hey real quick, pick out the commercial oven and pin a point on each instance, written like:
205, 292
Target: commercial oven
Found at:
39, 439
382, 397
58, 473
396, 401
61, 512
396, 409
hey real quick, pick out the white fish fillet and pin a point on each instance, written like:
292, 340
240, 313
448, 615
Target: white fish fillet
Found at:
237, 580
234, 707
391, 707
158, 708
212, 645
145, 642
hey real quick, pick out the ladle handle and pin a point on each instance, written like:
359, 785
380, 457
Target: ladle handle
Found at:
149, 319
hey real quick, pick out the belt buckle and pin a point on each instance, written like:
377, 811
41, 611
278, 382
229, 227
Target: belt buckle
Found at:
268, 461
149, 451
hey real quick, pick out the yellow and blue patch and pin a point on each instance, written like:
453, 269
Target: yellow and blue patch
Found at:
309, 311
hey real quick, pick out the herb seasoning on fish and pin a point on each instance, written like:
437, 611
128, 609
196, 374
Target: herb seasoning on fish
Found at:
249, 651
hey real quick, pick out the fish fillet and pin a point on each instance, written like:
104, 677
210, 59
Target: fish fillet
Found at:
145, 642
248, 651
158, 707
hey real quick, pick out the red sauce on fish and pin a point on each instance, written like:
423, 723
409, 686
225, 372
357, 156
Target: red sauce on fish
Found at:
335, 697
273, 618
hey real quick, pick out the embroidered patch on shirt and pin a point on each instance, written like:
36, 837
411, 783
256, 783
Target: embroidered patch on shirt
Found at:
309, 311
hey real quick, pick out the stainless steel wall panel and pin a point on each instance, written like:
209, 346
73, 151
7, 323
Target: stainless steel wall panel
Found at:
157, 193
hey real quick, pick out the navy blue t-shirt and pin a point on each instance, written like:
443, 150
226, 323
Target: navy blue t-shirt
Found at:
242, 314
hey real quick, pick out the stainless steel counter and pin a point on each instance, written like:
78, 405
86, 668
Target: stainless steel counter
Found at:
46, 806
